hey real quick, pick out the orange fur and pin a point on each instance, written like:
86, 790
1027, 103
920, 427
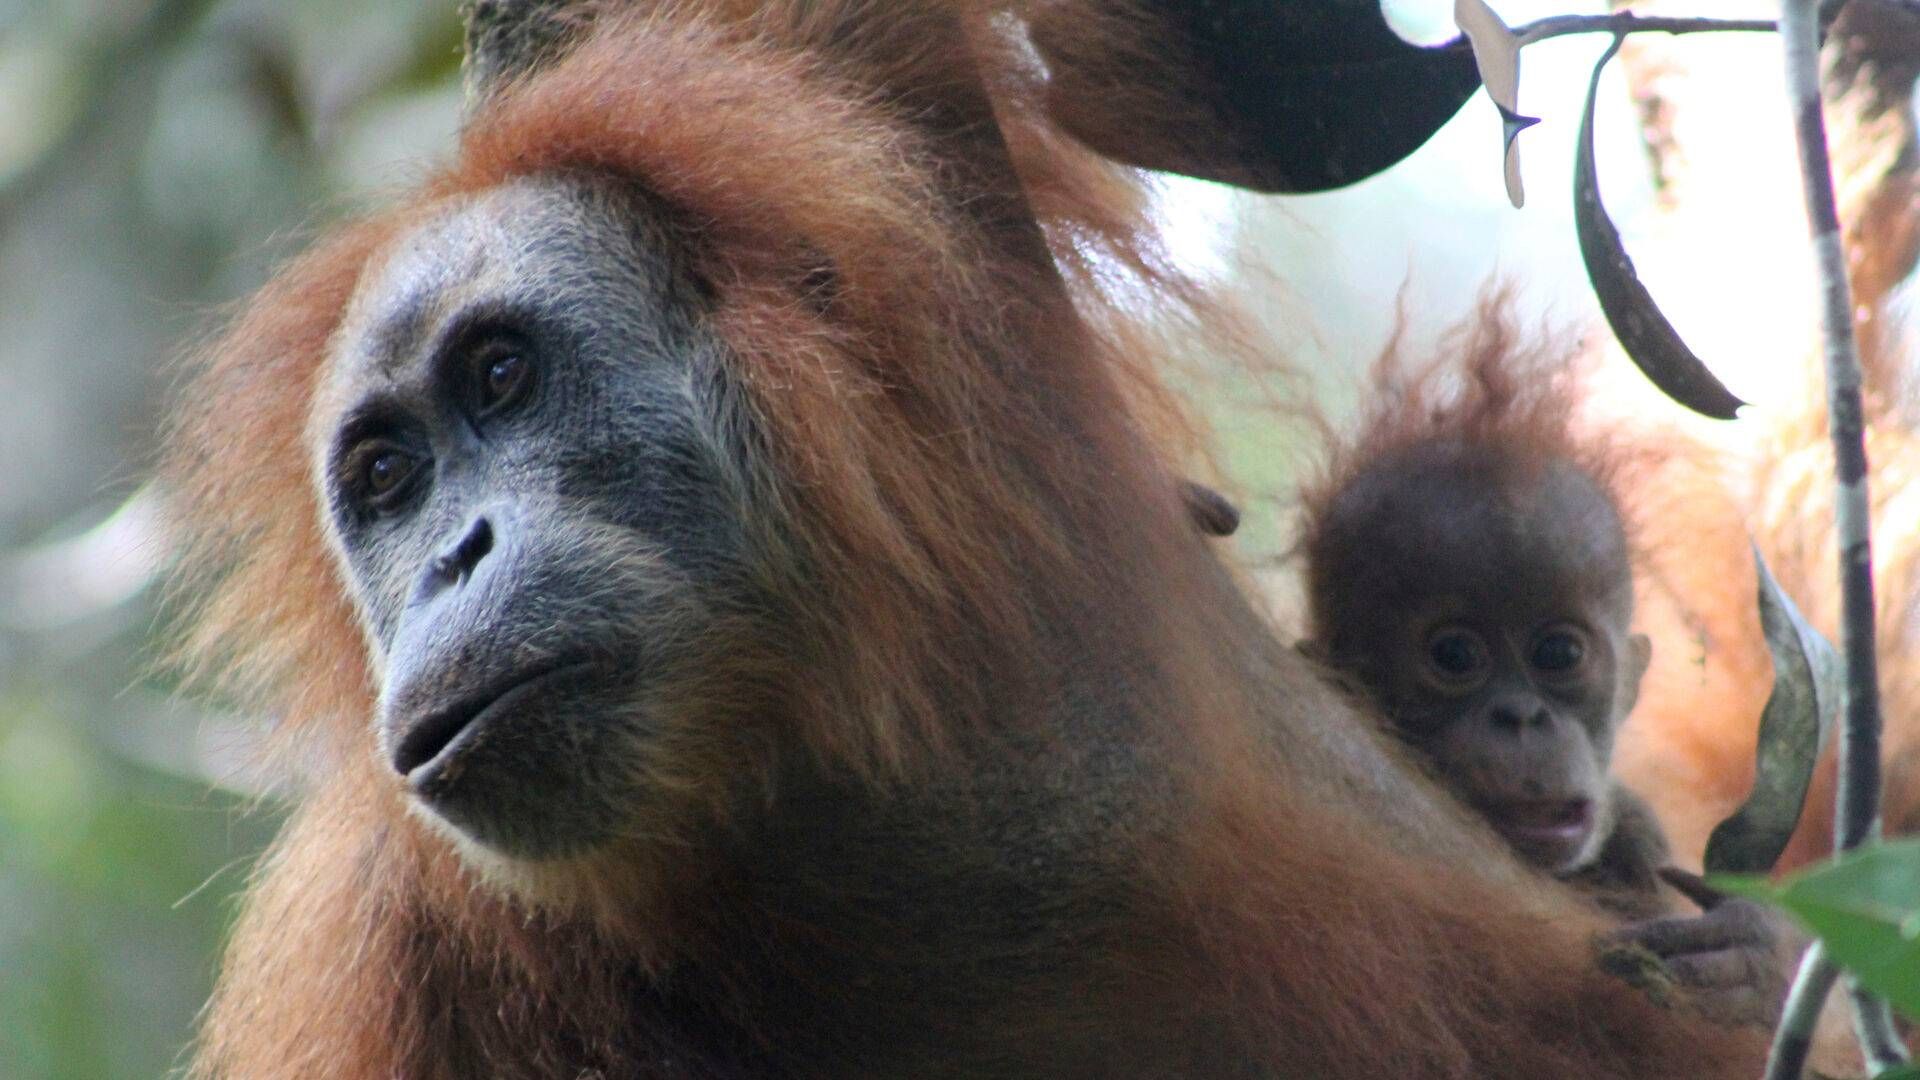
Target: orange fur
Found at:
1486, 385
976, 461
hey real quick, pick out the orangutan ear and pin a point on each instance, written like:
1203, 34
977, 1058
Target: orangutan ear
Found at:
1633, 668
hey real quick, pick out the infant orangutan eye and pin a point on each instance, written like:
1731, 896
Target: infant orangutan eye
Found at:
1456, 655
1558, 652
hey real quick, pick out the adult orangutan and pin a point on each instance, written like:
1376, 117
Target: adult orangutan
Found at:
719, 564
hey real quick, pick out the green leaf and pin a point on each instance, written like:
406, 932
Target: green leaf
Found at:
1866, 907
1793, 727
1752, 886
1649, 339
1904, 1072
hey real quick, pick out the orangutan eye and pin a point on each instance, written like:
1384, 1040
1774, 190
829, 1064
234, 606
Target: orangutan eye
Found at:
1558, 652
502, 376
1456, 654
380, 475
388, 471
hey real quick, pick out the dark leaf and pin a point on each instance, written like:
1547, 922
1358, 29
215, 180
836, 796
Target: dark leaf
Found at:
1793, 727
1274, 95
1644, 332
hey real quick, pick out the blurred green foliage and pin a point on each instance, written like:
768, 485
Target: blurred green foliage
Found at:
106, 932
1865, 906
153, 155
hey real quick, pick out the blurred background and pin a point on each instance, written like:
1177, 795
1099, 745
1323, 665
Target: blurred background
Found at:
158, 156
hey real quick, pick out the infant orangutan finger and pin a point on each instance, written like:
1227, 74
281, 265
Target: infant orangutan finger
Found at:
1737, 1007
1722, 969
1693, 887
1689, 934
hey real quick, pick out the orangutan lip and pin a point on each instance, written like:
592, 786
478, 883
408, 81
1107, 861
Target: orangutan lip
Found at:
1544, 821
434, 743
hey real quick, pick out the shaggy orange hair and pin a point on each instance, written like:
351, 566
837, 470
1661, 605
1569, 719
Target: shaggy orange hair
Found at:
1485, 385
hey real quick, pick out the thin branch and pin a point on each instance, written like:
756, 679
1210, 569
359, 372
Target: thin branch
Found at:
1859, 781
507, 39
1858, 799
1626, 22
1793, 1039
1873, 1023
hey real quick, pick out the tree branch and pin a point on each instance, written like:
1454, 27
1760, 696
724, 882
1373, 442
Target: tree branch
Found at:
1873, 1023
507, 39
1858, 799
1626, 22
1793, 1039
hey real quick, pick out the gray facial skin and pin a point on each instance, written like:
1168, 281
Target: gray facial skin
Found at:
518, 445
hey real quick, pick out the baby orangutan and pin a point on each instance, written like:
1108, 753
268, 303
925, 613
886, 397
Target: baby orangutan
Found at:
1492, 630
1469, 570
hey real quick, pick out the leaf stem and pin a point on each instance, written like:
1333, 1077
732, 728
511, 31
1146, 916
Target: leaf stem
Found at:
1626, 22
1858, 799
